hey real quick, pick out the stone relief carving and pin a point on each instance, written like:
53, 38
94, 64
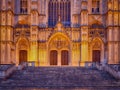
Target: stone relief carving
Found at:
59, 43
23, 45
96, 45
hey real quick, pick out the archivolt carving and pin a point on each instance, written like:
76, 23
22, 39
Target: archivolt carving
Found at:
59, 43
23, 45
96, 45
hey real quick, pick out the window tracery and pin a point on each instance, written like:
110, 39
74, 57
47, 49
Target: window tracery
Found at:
59, 8
23, 7
95, 6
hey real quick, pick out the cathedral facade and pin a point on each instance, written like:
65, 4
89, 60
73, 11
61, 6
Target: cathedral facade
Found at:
59, 32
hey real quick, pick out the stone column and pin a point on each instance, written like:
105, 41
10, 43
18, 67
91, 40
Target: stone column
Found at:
59, 58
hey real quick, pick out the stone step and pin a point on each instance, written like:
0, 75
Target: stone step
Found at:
59, 77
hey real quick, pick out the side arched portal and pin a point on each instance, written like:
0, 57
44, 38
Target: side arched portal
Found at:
23, 56
97, 50
22, 50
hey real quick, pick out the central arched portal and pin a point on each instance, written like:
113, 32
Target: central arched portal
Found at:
59, 50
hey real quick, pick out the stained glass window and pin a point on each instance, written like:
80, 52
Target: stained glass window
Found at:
58, 8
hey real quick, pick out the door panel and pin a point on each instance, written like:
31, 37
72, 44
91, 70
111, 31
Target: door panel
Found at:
53, 57
64, 57
96, 56
22, 56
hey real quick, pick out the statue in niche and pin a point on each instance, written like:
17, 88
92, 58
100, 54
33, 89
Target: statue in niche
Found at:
34, 18
9, 19
59, 43
110, 18
116, 19
59, 25
3, 18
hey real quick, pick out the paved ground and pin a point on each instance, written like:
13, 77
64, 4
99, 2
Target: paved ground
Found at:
63, 78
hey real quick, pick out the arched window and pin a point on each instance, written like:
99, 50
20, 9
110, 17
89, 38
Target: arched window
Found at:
58, 8
95, 6
23, 7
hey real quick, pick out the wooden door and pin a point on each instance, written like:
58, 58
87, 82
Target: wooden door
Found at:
53, 57
22, 56
64, 57
96, 56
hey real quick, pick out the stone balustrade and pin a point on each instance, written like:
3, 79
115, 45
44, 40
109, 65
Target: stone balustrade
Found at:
112, 71
99, 66
22, 65
115, 66
6, 70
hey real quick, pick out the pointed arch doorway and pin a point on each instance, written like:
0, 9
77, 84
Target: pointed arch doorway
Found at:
22, 56
97, 50
53, 57
59, 50
64, 57
22, 50
96, 55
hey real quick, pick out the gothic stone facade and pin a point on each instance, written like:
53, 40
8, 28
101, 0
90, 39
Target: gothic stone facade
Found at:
59, 32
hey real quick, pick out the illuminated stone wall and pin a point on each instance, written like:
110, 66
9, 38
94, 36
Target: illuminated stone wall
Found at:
113, 31
95, 26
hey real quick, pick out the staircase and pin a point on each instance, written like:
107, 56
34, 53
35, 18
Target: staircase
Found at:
60, 78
